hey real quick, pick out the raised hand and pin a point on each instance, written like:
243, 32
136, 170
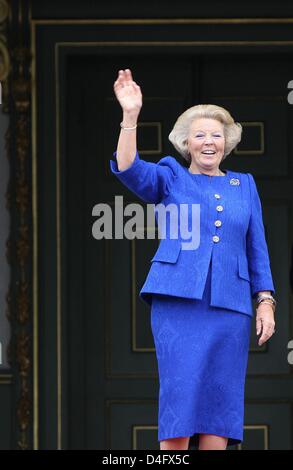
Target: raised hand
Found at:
127, 92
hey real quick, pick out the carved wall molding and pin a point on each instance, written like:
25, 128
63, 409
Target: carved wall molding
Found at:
4, 54
15, 70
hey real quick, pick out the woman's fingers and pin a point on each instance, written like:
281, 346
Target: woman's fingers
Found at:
258, 325
128, 74
268, 328
125, 77
119, 83
127, 91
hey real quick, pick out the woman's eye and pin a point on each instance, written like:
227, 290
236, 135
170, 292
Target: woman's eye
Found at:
202, 135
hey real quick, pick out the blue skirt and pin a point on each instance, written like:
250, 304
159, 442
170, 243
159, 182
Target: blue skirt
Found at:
202, 355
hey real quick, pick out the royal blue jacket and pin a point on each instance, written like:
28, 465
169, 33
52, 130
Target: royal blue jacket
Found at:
232, 234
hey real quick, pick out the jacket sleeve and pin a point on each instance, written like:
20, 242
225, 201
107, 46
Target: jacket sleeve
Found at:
257, 250
151, 182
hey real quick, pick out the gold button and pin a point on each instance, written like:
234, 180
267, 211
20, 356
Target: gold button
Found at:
217, 196
219, 208
216, 238
218, 223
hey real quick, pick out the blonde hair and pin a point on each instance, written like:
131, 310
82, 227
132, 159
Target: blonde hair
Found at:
179, 134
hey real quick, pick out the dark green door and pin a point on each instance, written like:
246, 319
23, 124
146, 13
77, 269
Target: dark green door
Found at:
112, 371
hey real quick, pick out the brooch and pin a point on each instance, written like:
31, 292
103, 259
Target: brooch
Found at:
234, 181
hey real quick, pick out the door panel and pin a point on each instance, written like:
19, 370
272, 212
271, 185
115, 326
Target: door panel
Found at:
112, 364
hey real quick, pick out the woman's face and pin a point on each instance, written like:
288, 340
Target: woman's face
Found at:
206, 143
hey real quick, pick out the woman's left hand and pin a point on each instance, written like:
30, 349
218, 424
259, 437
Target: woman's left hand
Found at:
265, 322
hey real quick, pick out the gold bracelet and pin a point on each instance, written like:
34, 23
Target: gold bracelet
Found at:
127, 128
261, 297
267, 302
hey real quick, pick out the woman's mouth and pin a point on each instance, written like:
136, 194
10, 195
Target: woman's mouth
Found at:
208, 152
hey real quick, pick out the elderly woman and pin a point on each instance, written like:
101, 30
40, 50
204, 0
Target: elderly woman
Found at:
201, 298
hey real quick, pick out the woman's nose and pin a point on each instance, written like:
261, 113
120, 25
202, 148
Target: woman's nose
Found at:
208, 139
